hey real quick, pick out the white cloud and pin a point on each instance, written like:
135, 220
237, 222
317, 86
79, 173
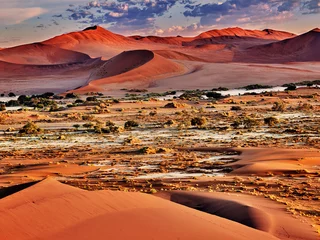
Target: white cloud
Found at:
17, 15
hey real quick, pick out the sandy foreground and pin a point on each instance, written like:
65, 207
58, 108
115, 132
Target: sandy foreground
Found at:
52, 210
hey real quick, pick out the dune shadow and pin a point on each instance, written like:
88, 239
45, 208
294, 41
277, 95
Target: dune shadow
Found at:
7, 191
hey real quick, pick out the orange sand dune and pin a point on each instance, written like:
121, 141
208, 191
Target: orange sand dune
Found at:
40, 54
227, 32
51, 210
138, 68
239, 32
253, 211
163, 40
276, 161
94, 34
94, 41
177, 55
36, 79
303, 48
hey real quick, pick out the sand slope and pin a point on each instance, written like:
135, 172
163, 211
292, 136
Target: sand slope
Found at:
36, 79
95, 41
38, 53
252, 211
276, 161
137, 68
51, 210
303, 48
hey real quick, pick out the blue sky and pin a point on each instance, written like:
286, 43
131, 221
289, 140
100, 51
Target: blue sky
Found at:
24, 21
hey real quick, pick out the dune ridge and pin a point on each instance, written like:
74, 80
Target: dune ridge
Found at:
239, 32
41, 54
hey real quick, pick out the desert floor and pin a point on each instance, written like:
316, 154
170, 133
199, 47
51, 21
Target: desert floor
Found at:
247, 171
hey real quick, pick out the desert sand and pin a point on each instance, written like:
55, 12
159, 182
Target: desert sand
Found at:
51, 210
131, 154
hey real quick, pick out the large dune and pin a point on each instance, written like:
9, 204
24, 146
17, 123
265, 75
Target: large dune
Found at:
51, 210
94, 41
303, 48
37, 79
38, 53
135, 68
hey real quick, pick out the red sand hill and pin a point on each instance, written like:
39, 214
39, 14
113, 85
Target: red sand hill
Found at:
38, 53
51, 210
303, 48
239, 32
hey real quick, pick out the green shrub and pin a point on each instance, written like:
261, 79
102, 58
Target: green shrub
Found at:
30, 128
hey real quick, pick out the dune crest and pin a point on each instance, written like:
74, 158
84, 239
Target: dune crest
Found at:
239, 32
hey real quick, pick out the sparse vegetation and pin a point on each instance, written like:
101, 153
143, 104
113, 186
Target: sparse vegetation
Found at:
199, 121
131, 124
30, 128
279, 106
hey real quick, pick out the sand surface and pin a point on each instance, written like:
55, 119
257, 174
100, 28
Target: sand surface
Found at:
51, 210
255, 212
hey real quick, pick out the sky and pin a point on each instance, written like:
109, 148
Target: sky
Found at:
26, 21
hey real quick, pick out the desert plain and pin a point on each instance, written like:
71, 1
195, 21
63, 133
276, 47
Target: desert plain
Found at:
209, 137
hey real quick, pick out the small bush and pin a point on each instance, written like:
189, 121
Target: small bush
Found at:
148, 150
305, 107
131, 124
271, 121
197, 121
291, 87
30, 128
279, 106
214, 95
236, 108
110, 123
88, 125
71, 95
2, 107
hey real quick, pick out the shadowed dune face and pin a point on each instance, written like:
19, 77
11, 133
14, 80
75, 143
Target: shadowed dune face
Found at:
138, 68
40, 54
234, 211
122, 63
253, 211
303, 48
63, 212
37, 79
